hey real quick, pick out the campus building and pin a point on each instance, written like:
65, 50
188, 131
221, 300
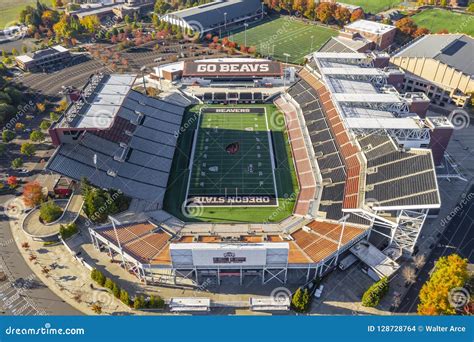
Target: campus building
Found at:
215, 15
381, 35
46, 59
436, 64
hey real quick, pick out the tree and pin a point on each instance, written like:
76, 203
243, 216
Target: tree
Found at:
139, 303
409, 275
470, 8
357, 15
419, 261
450, 272
116, 291
44, 125
406, 26
96, 308
124, 297
12, 182
301, 300
36, 136
342, 15
14, 52
375, 293
90, 23
41, 107
8, 135
109, 284
27, 149
50, 211
32, 194
57, 3
420, 31
17, 163
325, 11
3, 149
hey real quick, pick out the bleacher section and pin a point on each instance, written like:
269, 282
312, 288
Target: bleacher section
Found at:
133, 155
328, 156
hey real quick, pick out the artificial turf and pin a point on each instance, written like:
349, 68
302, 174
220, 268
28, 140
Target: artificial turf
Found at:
246, 179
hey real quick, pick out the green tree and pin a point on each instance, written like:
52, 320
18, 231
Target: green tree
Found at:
50, 211
109, 284
124, 297
139, 303
301, 300
37, 136
116, 290
17, 163
44, 125
375, 293
3, 149
8, 135
27, 149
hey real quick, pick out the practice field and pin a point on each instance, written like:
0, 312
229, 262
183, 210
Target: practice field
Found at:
436, 20
232, 159
374, 6
243, 150
285, 35
10, 9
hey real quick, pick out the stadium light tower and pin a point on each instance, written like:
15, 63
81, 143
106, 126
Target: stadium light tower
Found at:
245, 33
284, 73
143, 69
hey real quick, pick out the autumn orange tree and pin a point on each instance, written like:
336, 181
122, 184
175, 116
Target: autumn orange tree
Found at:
32, 194
450, 272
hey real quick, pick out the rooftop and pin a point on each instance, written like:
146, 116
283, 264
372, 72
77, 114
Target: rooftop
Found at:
215, 13
36, 55
450, 49
370, 26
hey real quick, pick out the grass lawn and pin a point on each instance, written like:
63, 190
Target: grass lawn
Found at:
436, 20
10, 9
284, 35
249, 170
373, 6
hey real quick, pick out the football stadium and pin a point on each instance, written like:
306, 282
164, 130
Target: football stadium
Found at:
337, 161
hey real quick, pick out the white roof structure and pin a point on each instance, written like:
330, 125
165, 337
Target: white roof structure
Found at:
367, 98
101, 110
189, 304
375, 259
270, 304
351, 71
370, 26
385, 123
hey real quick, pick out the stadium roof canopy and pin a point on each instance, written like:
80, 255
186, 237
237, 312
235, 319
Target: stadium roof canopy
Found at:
450, 49
130, 148
216, 13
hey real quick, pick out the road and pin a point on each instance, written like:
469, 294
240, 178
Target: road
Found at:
23, 293
458, 237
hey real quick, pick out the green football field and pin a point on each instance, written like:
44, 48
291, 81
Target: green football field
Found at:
374, 6
436, 20
285, 35
241, 169
232, 154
